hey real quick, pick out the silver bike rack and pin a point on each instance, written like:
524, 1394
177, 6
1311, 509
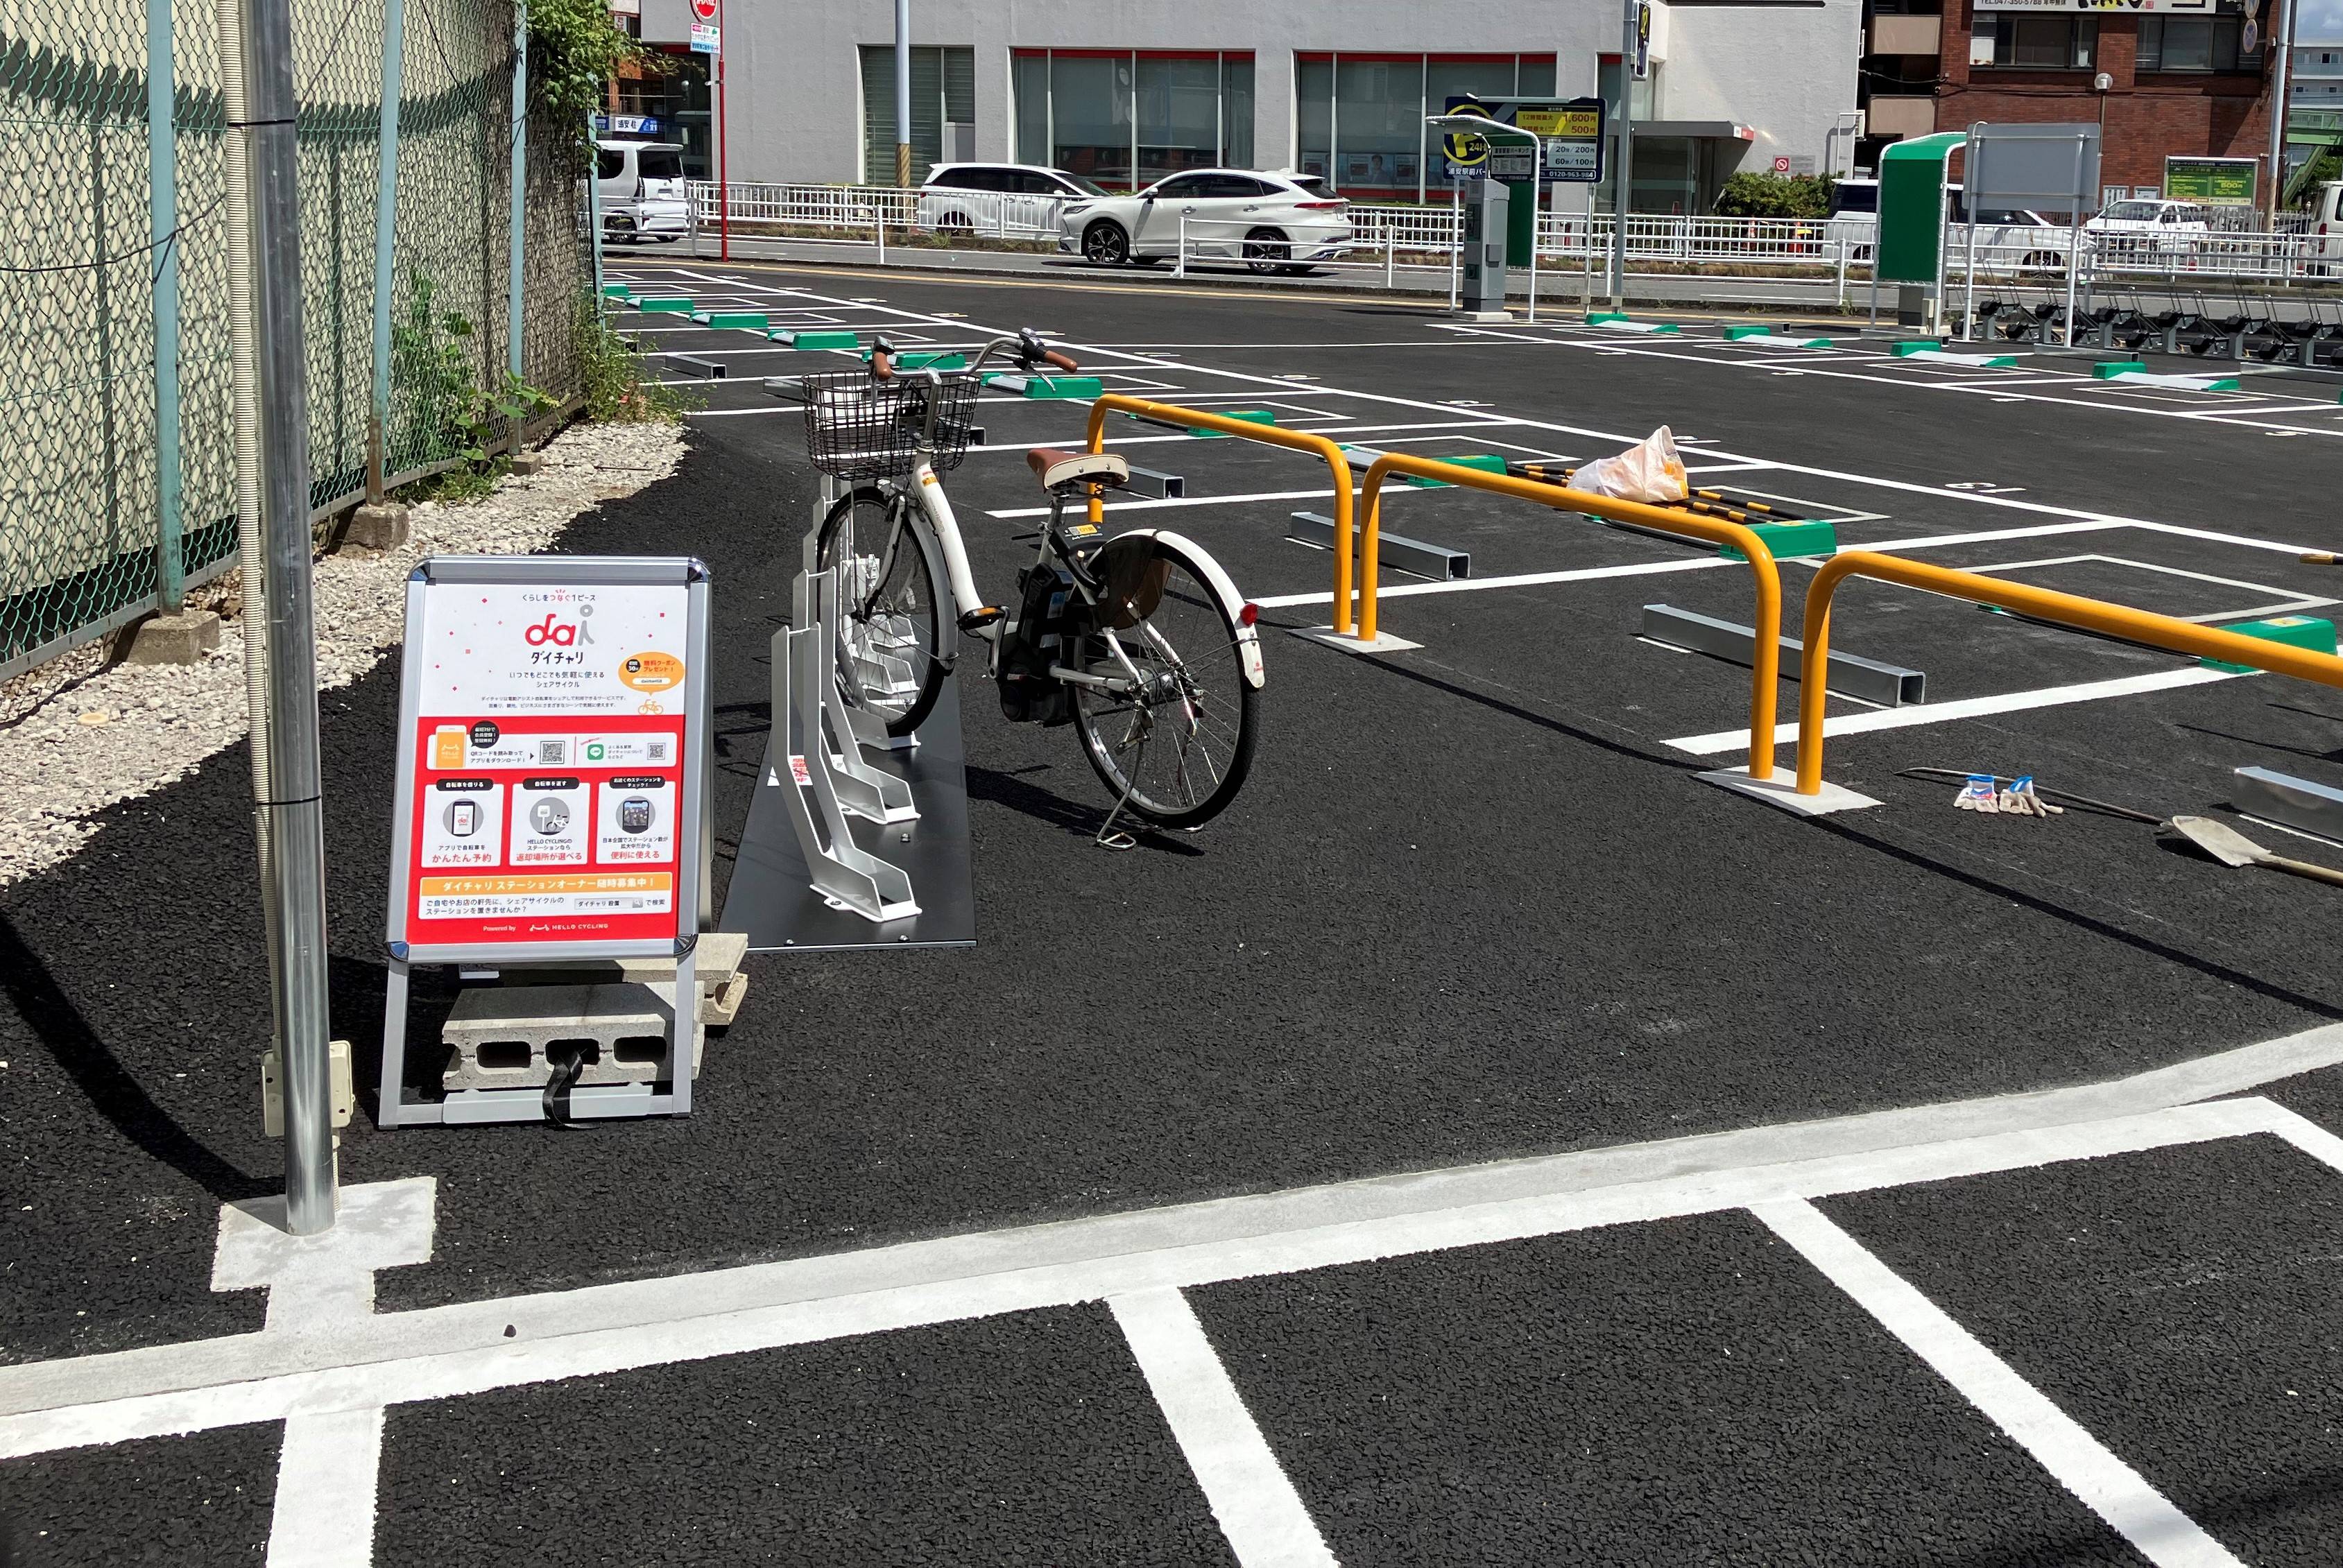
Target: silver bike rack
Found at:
822, 751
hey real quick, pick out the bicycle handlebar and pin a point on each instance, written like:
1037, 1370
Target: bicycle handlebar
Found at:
1028, 347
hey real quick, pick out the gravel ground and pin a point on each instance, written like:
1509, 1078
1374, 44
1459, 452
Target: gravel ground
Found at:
131, 728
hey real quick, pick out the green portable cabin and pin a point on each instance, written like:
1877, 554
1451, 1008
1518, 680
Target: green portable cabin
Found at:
1911, 207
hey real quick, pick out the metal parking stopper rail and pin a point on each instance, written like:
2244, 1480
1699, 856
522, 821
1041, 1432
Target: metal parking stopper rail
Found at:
2043, 604
1765, 662
1268, 434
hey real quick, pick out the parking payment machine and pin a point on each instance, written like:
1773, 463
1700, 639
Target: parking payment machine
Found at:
1482, 293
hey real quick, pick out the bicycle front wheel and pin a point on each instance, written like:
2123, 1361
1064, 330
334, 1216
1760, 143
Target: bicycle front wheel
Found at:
890, 627
1173, 733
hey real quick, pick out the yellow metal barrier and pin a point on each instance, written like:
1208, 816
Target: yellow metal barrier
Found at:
1268, 434
1766, 654
2066, 610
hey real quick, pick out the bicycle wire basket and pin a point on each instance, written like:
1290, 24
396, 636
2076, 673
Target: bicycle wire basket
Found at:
859, 428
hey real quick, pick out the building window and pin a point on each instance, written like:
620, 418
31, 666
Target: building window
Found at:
1128, 117
943, 95
2195, 44
1361, 117
2034, 43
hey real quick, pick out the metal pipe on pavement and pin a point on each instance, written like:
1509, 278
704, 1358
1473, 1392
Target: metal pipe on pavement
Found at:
386, 227
291, 815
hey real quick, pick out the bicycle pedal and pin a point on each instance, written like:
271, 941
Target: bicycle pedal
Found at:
977, 619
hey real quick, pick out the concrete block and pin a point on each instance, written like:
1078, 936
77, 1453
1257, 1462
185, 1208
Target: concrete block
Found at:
182, 638
381, 526
527, 463
496, 1035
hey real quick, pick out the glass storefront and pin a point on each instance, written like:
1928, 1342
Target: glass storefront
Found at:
943, 99
1127, 119
1361, 117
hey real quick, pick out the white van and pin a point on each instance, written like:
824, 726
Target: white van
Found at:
640, 185
2326, 226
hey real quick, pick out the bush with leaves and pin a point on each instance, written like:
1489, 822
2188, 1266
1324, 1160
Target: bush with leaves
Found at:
575, 49
612, 378
1774, 196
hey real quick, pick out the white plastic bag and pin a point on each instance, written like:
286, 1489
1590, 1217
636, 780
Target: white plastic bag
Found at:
1649, 471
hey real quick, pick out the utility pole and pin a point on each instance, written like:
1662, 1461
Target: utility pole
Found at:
902, 92
2282, 65
290, 812
1630, 38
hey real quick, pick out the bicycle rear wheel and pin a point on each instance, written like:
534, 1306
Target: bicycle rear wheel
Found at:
1176, 742
890, 627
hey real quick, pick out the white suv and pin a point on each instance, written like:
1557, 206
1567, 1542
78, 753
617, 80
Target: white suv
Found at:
1272, 221
640, 186
1005, 199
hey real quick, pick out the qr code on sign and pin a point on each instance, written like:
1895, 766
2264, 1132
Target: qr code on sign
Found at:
657, 751
552, 752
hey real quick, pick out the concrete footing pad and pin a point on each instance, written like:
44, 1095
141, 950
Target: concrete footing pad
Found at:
1782, 790
1384, 641
186, 638
381, 526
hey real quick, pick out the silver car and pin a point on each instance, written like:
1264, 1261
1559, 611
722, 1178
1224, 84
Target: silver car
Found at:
1008, 200
1279, 221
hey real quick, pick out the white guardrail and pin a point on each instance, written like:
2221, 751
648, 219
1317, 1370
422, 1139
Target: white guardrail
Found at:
1391, 239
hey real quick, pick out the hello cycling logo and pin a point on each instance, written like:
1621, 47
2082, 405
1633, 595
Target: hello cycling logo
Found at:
555, 632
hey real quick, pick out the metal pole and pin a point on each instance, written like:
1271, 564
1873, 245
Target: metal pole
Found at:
1537, 172
2281, 68
386, 225
291, 816
519, 194
723, 150
594, 207
903, 94
1455, 238
163, 201
1968, 285
1624, 187
2082, 145
1179, 262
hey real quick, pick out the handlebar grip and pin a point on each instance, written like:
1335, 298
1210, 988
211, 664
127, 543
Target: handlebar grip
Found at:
1062, 361
881, 368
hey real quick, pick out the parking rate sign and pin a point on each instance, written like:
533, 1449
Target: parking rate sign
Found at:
547, 772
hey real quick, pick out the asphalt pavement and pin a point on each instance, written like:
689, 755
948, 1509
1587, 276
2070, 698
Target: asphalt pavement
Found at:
1473, 906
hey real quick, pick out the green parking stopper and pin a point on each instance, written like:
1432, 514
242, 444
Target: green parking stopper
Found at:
1806, 537
1597, 317
2108, 369
927, 360
1250, 417
2294, 630
1486, 462
747, 320
1068, 389
677, 305
787, 338
617, 291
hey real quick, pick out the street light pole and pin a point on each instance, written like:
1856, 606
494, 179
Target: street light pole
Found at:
2280, 69
903, 92
1631, 37
291, 813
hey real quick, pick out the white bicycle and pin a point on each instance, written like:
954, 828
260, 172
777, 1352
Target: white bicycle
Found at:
1140, 641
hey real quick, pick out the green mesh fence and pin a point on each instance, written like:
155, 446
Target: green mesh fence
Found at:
83, 496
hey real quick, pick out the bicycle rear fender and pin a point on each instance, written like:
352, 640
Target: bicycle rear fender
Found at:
1223, 589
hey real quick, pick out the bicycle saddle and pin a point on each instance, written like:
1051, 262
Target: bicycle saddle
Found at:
1055, 467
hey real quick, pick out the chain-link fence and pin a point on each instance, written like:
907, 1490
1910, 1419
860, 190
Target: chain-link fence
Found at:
114, 282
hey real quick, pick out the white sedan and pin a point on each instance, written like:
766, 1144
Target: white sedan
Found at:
1270, 221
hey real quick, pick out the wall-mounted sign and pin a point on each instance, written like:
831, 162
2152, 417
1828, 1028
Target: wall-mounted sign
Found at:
2158, 7
2214, 182
1569, 131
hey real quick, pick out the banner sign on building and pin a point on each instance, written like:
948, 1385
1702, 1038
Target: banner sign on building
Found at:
2214, 182
551, 740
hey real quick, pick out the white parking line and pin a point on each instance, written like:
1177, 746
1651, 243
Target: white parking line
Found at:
328, 1469
1259, 1510
1963, 707
2082, 1464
